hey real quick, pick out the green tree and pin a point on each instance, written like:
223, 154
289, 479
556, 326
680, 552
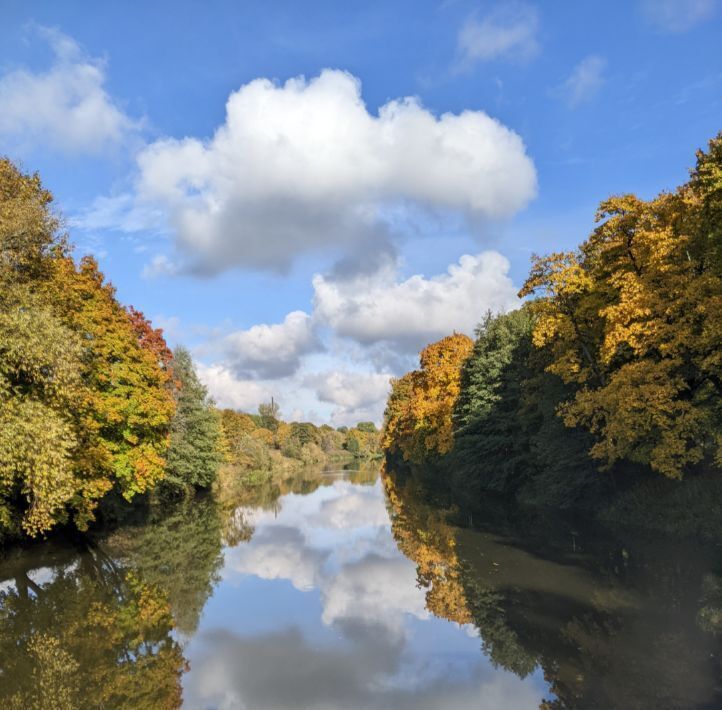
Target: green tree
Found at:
269, 413
368, 427
194, 454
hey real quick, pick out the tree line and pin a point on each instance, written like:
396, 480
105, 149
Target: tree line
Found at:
93, 403
610, 371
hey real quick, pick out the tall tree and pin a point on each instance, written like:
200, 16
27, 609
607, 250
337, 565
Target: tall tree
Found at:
632, 319
42, 394
419, 414
195, 452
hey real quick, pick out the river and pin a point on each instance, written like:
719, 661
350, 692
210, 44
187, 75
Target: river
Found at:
337, 589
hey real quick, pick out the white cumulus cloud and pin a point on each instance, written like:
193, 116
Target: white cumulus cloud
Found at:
305, 165
509, 32
271, 351
411, 313
228, 390
64, 108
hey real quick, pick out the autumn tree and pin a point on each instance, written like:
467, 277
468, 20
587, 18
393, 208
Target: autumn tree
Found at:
84, 401
419, 413
131, 404
632, 320
42, 394
269, 414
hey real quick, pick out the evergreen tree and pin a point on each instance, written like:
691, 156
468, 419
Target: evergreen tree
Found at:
194, 454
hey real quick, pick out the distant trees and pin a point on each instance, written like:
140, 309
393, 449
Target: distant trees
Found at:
265, 442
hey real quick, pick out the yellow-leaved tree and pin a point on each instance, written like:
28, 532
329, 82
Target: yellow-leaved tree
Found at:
634, 319
419, 413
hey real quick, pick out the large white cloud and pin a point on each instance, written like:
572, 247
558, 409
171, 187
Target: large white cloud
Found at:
270, 351
413, 312
65, 108
305, 165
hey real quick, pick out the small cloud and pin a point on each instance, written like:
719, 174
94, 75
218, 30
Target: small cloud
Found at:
356, 395
675, 16
508, 32
229, 391
122, 213
65, 108
584, 82
160, 265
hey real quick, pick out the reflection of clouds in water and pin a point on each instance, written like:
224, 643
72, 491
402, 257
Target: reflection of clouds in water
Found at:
278, 553
360, 573
376, 591
281, 670
354, 508
371, 647
42, 575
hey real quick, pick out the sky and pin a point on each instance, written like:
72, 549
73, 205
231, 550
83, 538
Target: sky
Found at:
306, 194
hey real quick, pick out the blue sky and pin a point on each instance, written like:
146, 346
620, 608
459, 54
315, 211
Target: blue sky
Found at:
306, 238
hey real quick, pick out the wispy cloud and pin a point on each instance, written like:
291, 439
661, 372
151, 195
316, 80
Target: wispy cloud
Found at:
508, 32
674, 16
584, 82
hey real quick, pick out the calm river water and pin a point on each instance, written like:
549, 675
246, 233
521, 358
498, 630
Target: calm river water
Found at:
337, 589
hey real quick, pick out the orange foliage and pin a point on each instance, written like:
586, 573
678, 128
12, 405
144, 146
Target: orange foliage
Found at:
418, 419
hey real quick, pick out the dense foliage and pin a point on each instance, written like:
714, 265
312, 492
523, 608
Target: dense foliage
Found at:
421, 405
85, 404
91, 397
194, 453
615, 363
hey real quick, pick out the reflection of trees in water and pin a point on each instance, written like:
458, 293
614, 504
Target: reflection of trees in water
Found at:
177, 549
614, 624
238, 497
91, 624
93, 634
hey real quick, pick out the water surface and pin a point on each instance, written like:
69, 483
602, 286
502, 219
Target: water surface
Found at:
340, 590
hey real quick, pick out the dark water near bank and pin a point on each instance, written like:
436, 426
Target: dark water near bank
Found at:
340, 590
